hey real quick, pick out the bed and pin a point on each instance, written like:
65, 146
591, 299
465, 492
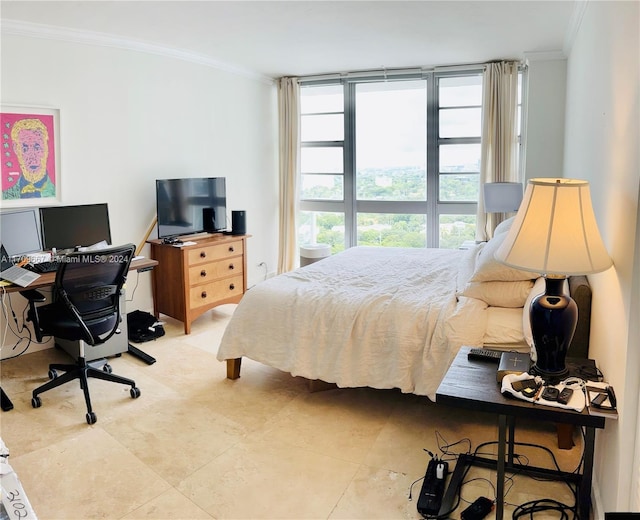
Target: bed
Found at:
388, 317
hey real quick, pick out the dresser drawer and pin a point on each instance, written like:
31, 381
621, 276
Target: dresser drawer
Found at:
216, 290
207, 253
214, 270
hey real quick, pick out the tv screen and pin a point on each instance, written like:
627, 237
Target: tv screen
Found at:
66, 227
188, 206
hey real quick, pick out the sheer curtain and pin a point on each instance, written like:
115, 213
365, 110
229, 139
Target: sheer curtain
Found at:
499, 136
289, 134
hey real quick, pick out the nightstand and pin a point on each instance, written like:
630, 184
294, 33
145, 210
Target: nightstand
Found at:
472, 385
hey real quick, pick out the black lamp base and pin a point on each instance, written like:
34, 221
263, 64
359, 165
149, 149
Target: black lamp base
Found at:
554, 316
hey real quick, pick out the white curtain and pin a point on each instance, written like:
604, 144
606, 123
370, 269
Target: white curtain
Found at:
499, 137
289, 135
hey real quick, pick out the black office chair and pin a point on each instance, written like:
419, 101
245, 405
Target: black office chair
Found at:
85, 308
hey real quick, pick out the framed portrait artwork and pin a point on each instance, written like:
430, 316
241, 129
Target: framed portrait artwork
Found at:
30, 156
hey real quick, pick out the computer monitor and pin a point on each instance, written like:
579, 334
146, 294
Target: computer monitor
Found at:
67, 227
19, 232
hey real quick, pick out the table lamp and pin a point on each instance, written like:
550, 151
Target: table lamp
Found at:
502, 197
555, 234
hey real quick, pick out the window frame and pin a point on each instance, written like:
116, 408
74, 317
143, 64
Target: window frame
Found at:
433, 207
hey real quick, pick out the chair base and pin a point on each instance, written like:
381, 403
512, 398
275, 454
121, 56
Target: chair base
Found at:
82, 371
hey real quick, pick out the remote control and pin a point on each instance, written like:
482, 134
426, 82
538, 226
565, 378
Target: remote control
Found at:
484, 354
565, 395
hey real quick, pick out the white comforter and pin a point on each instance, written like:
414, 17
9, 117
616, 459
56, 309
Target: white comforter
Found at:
377, 317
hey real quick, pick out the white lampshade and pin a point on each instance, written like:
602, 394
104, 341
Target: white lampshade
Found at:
502, 197
555, 231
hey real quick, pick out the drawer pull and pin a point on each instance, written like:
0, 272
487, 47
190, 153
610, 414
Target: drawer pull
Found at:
231, 249
203, 254
203, 294
203, 273
232, 287
231, 267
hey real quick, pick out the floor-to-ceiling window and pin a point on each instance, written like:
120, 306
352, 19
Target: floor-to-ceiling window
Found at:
390, 161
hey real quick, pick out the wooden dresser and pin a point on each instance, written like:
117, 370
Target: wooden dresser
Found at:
193, 278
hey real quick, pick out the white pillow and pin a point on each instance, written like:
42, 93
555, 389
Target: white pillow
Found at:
504, 326
504, 226
488, 269
468, 265
499, 294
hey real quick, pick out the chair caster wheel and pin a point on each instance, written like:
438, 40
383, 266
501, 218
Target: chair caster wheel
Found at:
53, 373
107, 368
135, 392
36, 402
91, 418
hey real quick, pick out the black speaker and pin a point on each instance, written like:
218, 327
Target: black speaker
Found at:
209, 220
238, 222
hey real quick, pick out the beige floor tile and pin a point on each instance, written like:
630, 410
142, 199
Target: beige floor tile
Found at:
377, 493
177, 437
170, 505
258, 479
417, 425
341, 423
89, 475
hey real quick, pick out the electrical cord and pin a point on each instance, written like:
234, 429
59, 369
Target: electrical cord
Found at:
19, 330
133, 292
521, 510
537, 505
266, 269
546, 504
588, 372
530, 508
445, 446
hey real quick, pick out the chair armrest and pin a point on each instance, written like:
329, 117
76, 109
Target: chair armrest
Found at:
32, 314
33, 296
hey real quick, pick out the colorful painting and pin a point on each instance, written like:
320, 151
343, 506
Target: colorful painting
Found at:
30, 156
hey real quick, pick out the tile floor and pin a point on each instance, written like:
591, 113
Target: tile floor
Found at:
196, 445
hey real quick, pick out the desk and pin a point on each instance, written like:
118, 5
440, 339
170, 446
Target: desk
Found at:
48, 279
472, 385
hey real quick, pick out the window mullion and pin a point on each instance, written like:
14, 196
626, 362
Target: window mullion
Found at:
432, 162
351, 232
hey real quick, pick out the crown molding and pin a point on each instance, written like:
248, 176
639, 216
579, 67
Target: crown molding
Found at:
579, 7
65, 34
544, 56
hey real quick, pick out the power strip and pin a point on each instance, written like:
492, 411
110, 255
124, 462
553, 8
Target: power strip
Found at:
433, 488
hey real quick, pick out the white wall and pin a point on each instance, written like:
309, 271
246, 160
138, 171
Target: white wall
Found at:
129, 117
601, 145
546, 86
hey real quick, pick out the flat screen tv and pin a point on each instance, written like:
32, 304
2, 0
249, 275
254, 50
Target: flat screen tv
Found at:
192, 205
67, 227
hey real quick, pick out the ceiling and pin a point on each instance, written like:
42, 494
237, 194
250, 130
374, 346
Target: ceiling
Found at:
295, 38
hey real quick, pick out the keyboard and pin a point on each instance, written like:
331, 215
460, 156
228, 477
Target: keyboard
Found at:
43, 267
